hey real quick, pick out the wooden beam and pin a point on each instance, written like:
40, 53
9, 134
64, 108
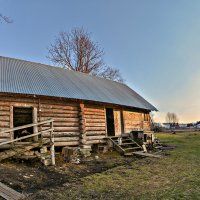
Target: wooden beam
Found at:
35, 120
11, 123
9, 194
82, 125
52, 148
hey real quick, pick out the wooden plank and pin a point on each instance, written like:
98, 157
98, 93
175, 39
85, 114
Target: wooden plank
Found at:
117, 122
9, 194
35, 120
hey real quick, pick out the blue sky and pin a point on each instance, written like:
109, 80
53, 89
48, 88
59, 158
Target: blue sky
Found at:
154, 43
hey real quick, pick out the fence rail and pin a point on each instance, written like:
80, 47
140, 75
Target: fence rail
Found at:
50, 130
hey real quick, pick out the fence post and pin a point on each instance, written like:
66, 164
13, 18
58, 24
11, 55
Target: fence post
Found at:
35, 128
52, 148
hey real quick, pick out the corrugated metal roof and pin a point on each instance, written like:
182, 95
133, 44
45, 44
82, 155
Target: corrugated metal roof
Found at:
24, 77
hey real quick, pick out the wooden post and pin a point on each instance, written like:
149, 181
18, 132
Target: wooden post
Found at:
35, 128
105, 121
52, 148
11, 123
82, 125
122, 121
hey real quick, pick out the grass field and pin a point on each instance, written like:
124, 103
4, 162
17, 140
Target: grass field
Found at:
175, 176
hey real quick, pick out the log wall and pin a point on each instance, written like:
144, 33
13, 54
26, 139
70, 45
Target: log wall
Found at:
66, 121
95, 123
135, 120
67, 124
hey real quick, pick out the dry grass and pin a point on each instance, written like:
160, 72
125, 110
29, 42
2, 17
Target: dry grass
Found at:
176, 176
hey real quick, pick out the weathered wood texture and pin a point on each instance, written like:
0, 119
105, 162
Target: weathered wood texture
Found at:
135, 120
67, 120
117, 121
10, 194
95, 124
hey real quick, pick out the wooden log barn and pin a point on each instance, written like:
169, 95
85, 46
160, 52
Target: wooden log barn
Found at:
85, 109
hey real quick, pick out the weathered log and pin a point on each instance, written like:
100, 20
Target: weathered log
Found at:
64, 115
60, 107
95, 125
4, 139
65, 124
57, 111
94, 117
63, 134
70, 154
4, 124
95, 141
4, 108
95, 121
66, 139
95, 128
18, 104
4, 113
95, 113
66, 129
90, 106
61, 119
4, 134
98, 137
4, 118
72, 143
93, 133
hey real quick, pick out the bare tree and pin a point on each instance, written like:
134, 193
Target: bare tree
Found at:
76, 51
5, 19
171, 118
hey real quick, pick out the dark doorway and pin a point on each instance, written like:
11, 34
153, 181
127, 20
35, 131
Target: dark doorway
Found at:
22, 116
110, 122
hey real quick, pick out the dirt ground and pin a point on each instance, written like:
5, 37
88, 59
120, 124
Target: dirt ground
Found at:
31, 177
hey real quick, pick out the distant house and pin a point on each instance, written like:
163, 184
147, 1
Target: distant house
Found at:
86, 109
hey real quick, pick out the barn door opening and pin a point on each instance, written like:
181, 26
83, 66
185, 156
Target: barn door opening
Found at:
22, 116
110, 122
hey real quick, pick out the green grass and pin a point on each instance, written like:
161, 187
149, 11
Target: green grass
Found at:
175, 176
